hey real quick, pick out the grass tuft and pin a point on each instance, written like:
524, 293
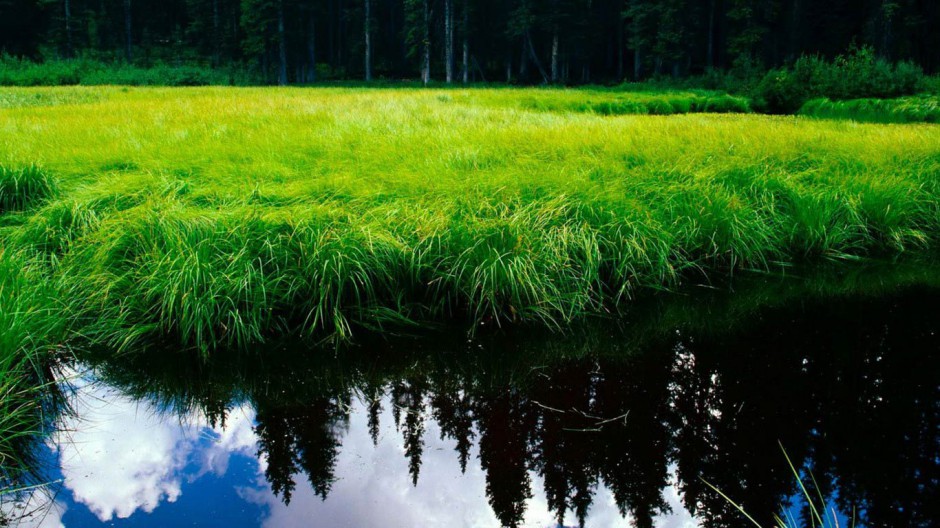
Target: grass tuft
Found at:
22, 188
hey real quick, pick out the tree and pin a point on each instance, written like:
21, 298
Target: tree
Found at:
128, 50
368, 39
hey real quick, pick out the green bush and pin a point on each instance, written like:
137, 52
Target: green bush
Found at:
779, 92
727, 104
859, 74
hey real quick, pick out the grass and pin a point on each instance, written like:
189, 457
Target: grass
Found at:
916, 109
24, 187
31, 328
89, 72
623, 100
820, 514
222, 217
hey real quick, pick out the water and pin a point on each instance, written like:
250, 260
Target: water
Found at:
605, 426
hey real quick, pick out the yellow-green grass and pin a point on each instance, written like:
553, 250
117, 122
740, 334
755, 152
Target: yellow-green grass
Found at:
223, 216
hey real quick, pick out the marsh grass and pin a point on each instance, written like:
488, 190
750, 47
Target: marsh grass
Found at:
32, 328
819, 514
21, 188
223, 217
916, 109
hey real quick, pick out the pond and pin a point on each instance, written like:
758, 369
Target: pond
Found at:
633, 424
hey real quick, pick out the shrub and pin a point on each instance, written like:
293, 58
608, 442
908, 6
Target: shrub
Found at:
726, 104
859, 74
779, 92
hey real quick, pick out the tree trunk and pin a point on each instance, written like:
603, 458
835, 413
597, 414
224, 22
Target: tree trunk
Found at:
508, 67
637, 65
282, 46
368, 35
216, 36
796, 36
128, 52
466, 41
426, 43
711, 35
535, 58
311, 48
449, 40
331, 33
620, 44
555, 56
69, 49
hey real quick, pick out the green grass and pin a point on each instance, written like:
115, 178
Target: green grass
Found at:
915, 109
32, 327
88, 72
820, 514
222, 217
623, 100
24, 187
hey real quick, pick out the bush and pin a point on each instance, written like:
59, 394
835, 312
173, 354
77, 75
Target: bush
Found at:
779, 92
727, 104
859, 74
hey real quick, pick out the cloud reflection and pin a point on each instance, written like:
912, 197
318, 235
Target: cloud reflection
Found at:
119, 456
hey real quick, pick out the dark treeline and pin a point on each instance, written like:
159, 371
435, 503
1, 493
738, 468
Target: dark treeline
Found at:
534, 41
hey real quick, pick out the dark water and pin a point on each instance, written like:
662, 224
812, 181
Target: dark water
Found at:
605, 426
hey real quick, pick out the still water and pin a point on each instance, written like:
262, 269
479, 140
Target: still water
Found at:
605, 425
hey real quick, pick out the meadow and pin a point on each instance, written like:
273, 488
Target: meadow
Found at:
223, 216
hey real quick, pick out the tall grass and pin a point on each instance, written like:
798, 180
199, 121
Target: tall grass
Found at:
920, 109
226, 216
21, 72
32, 325
819, 514
24, 187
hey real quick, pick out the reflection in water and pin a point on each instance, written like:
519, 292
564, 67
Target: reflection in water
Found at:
532, 431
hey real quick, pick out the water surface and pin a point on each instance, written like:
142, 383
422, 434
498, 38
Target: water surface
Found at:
603, 426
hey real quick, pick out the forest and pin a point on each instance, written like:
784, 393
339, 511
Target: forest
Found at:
516, 41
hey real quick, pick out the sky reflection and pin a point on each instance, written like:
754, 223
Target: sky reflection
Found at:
124, 462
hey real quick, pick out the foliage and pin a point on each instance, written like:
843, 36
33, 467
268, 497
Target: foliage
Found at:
859, 74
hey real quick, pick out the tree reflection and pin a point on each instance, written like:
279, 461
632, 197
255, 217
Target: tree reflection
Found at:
848, 387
